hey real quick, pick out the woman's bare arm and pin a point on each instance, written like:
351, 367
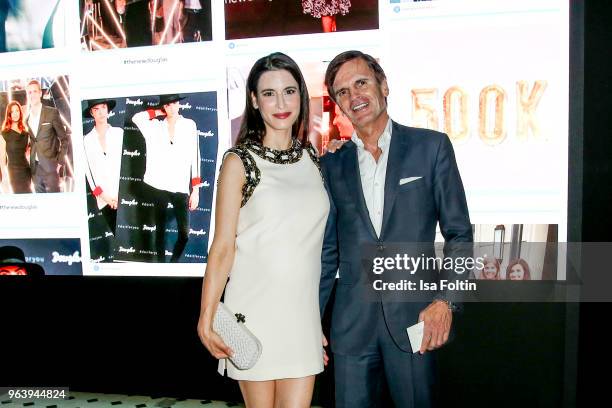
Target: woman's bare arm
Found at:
222, 250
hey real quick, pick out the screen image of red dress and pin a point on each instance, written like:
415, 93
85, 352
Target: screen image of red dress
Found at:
326, 10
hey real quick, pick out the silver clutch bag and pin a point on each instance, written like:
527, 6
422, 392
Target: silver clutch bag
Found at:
230, 327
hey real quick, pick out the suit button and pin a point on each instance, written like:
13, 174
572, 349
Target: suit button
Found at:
381, 248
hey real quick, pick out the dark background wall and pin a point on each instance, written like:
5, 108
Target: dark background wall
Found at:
136, 335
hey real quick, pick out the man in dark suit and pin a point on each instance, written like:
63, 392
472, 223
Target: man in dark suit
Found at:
49, 141
390, 184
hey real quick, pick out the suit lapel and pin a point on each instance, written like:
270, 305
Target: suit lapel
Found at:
40, 121
352, 177
397, 152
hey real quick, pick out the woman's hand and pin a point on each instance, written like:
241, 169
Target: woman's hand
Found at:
334, 144
211, 340
325, 357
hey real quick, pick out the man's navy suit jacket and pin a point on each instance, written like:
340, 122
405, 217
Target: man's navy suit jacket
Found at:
411, 212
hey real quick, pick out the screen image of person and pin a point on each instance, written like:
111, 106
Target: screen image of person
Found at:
270, 217
343, 124
16, 144
326, 10
29, 24
172, 168
49, 141
491, 269
131, 23
390, 183
4, 177
103, 146
518, 269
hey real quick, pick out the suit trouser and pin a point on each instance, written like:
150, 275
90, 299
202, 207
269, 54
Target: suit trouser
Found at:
110, 216
194, 25
46, 181
360, 378
180, 210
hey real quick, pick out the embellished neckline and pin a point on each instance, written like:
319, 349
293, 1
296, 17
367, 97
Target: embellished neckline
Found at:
288, 156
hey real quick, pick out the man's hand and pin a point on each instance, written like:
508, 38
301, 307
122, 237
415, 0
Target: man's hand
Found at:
325, 357
194, 199
438, 319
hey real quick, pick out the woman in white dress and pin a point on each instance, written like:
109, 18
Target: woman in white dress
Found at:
271, 212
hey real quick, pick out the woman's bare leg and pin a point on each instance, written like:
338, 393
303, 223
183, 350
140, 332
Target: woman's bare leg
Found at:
294, 392
258, 394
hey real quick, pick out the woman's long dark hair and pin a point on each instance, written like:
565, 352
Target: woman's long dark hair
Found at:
252, 127
8, 120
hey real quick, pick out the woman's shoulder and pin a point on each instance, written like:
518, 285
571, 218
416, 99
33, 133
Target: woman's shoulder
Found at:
239, 150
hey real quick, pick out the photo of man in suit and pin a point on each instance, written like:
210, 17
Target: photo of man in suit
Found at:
388, 184
49, 141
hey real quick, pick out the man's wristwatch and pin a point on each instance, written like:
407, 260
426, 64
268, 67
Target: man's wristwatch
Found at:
451, 306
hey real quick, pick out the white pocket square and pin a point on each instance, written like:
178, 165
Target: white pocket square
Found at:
409, 180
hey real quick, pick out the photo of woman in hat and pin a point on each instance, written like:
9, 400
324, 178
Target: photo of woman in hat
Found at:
172, 175
103, 146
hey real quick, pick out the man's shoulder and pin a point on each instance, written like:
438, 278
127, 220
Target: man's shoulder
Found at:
331, 159
421, 134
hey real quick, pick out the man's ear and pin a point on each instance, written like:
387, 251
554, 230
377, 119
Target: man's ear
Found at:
385, 88
254, 100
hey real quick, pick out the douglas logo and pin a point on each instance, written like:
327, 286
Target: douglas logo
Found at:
69, 259
129, 250
129, 203
206, 134
131, 154
145, 227
137, 102
98, 260
108, 234
90, 215
198, 232
185, 106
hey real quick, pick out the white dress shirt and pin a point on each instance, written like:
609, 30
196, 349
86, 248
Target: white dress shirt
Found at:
170, 165
373, 174
103, 170
34, 120
33, 123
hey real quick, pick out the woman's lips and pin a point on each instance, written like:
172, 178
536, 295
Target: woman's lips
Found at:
282, 115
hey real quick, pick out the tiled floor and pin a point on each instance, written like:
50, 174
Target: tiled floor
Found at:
87, 400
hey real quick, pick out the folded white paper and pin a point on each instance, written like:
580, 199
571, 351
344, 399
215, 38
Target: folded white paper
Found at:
415, 334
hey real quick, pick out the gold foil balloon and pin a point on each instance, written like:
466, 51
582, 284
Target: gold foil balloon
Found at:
495, 134
526, 105
456, 114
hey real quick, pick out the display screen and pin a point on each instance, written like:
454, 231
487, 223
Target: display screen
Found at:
492, 75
